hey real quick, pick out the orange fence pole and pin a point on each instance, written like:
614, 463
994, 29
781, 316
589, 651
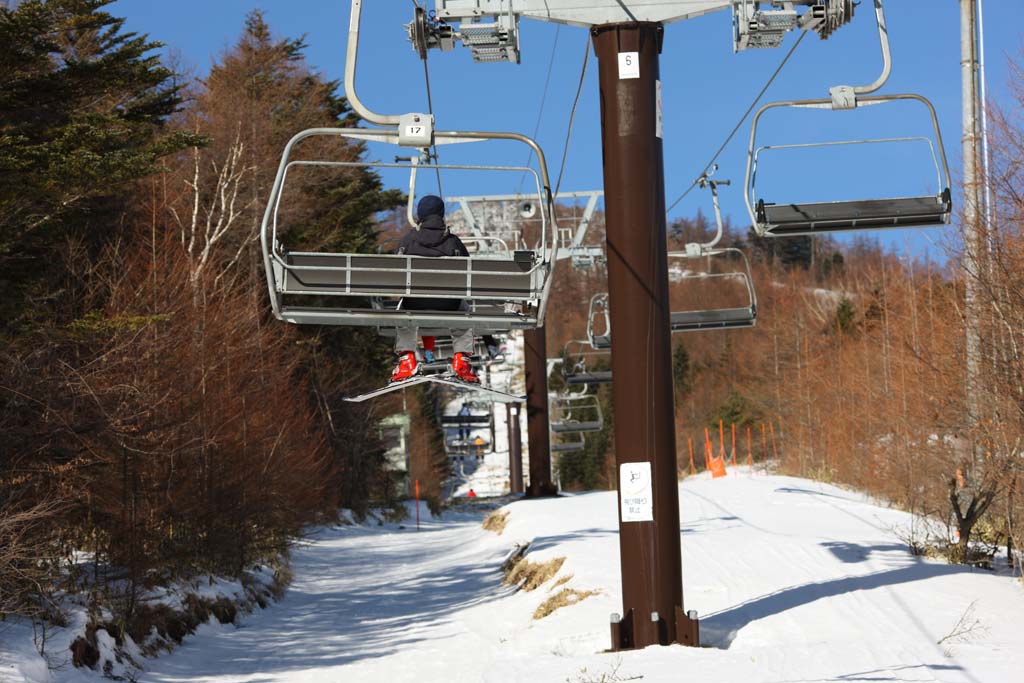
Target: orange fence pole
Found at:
689, 442
775, 451
707, 449
750, 453
734, 444
721, 439
764, 445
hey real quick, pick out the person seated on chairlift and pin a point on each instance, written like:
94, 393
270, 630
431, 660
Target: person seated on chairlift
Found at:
432, 238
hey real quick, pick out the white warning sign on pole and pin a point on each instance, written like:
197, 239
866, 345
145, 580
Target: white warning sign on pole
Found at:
629, 65
636, 495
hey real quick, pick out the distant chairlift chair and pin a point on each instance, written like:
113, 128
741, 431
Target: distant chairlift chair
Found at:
502, 290
784, 219
598, 319
572, 413
572, 446
716, 318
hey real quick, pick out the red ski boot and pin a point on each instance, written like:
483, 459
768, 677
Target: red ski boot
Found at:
463, 370
406, 367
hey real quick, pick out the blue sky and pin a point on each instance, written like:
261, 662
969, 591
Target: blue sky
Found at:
705, 89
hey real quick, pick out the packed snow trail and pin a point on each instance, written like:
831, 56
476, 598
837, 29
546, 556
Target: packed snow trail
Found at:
794, 581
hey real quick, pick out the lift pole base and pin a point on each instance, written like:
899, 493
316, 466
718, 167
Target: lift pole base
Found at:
687, 631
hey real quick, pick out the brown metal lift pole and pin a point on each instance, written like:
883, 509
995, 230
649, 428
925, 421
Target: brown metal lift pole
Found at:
634, 196
515, 448
536, 345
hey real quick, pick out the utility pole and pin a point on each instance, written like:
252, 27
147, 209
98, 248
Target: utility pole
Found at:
536, 347
515, 448
645, 445
973, 230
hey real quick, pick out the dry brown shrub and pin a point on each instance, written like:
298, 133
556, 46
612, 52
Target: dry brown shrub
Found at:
496, 521
563, 598
532, 575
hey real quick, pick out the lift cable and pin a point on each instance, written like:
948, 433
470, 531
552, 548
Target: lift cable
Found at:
735, 130
430, 110
572, 114
543, 100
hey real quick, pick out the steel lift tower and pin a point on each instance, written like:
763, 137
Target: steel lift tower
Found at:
627, 37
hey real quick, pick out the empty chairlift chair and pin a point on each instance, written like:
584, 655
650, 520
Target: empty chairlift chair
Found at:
741, 280
772, 217
571, 446
599, 323
730, 315
572, 413
498, 289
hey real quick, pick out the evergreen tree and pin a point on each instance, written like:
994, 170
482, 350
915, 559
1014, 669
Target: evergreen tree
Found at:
82, 111
843, 321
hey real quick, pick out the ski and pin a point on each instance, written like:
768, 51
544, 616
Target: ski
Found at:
447, 379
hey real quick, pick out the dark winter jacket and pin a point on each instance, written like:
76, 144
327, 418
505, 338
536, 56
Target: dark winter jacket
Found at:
432, 239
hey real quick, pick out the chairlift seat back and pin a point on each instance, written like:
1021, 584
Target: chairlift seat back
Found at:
720, 319
416, 276
599, 377
869, 214
575, 427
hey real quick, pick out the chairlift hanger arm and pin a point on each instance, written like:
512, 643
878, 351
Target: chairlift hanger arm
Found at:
845, 96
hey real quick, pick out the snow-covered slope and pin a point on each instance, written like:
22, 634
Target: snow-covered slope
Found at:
794, 581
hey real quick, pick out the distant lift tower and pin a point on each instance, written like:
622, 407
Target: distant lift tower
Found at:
627, 37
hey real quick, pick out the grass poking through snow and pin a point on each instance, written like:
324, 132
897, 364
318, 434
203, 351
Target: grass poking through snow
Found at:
563, 598
531, 575
496, 521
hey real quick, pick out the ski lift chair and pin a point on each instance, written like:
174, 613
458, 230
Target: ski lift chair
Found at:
724, 318
576, 413
578, 374
717, 318
599, 311
577, 444
492, 293
472, 421
779, 218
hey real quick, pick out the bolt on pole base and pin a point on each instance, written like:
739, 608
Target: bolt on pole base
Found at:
638, 291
